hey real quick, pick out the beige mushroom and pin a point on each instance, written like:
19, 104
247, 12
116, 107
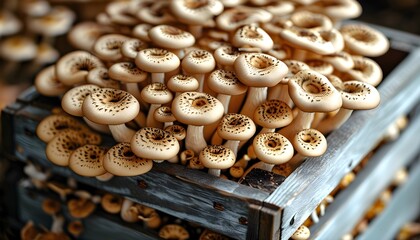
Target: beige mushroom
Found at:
174, 231
197, 63
111, 203
225, 56
132, 47
182, 83
302, 233
52, 125
233, 18
87, 160
84, 34
108, 47
157, 61
217, 157
100, 77
273, 114
164, 115
251, 38
156, 94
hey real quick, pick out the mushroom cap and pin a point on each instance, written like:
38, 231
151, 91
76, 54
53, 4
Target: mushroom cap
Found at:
235, 126
156, 93
259, 69
307, 39
365, 70
363, 40
108, 46
73, 99
196, 12
59, 149
319, 65
359, 95
100, 77
47, 84
225, 82
335, 37
272, 148
310, 142
233, 18
164, 114
341, 61
111, 203
171, 37
198, 61
310, 20
156, 60
51, 125
197, 108
337, 9
141, 31
273, 114
46, 54
120, 160
217, 157
312, 92
154, 143
131, 47
119, 13
73, 67
51, 206
302, 233
87, 160
80, 208
178, 131
9, 23
110, 106
294, 67
56, 22
252, 36
182, 83
156, 13
226, 55
173, 231
29, 231
75, 228
127, 72
18, 48
84, 34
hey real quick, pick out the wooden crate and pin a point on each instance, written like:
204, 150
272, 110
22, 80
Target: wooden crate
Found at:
235, 210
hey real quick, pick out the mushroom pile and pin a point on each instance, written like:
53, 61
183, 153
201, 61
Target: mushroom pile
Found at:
28, 29
213, 84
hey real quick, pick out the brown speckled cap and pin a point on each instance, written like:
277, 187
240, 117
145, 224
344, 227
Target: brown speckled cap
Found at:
87, 160
272, 148
155, 144
310, 142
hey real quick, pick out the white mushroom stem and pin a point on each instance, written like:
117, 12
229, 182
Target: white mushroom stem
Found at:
200, 79
225, 100
57, 224
255, 97
195, 139
314, 216
303, 120
334, 122
299, 54
280, 92
121, 133
265, 130
232, 145
133, 88
158, 77
97, 127
151, 121
128, 211
318, 117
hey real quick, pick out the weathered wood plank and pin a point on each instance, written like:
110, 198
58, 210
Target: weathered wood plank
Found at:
311, 182
404, 207
351, 204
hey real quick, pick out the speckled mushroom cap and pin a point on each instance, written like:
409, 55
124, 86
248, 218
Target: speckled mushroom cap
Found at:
272, 148
73, 99
238, 16
319, 65
279, 8
141, 31
108, 46
252, 36
307, 39
259, 69
294, 66
58, 150
310, 20
182, 83
80, 208
171, 37
198, 61
173, 231
73, 67
310, 142
111, 203
120, 160
225, 82
156, 13
273, 114
100, 77
164, 114
110, 106
337, 9
302, 233
217, 157
359, 95
47, 84
178, 131
131, 47
50, 126
156, 93
333, 36
235, 126
364, 40
312, 92
127, 72
156, 60
154, 143
197, 108
226, 55
87, 160
365, 70
341, 61
195, 12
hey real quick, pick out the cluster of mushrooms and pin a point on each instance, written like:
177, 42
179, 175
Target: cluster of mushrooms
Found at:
211, 84
80, 203
28, 30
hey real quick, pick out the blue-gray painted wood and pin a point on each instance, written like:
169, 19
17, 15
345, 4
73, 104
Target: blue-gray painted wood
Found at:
314, 179
351, 203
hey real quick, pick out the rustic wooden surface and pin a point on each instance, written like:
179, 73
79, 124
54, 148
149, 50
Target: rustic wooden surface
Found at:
404, 207
314, 179
351, 204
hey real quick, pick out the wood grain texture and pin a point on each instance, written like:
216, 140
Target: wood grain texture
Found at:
314, 179
351, 204
404, 207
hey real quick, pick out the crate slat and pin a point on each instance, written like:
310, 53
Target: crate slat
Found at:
351, 204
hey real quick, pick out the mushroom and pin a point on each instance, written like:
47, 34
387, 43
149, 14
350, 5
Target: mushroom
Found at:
87, 160
182, 83
341, 61
29, 231
233, 18
80, 207
284, 169
321, 66
108, 47
154, 143
74, 67
156, 94
130, 48
51, 206
9, 23
37, 176
75, 228
111, 203
60, 189
235, 128
225, 56
302, 233
273, 114
174, 231
128, 74
210, 235
84, 34
119, 13
172, 38
337, 10
100, 77
47, 84
365, 70
310, 20
251, 38
129, 213
197, 63
217, 157
155, 13
50, 126
258, 71
236, 171
114, 108
164, 115
141, 31
157, 61
120, 160
197, 110
308, 143
186, 156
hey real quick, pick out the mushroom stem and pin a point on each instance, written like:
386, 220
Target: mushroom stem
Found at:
214, 172
233, 145
158, 77
97, 127
195, 139
57, 224
303, 120
133, 88
284, 95
151, 121
224, 99
121, 133
332, 123
255, 97
141, 119
196, 30
200, 79
128, 213
299, 54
